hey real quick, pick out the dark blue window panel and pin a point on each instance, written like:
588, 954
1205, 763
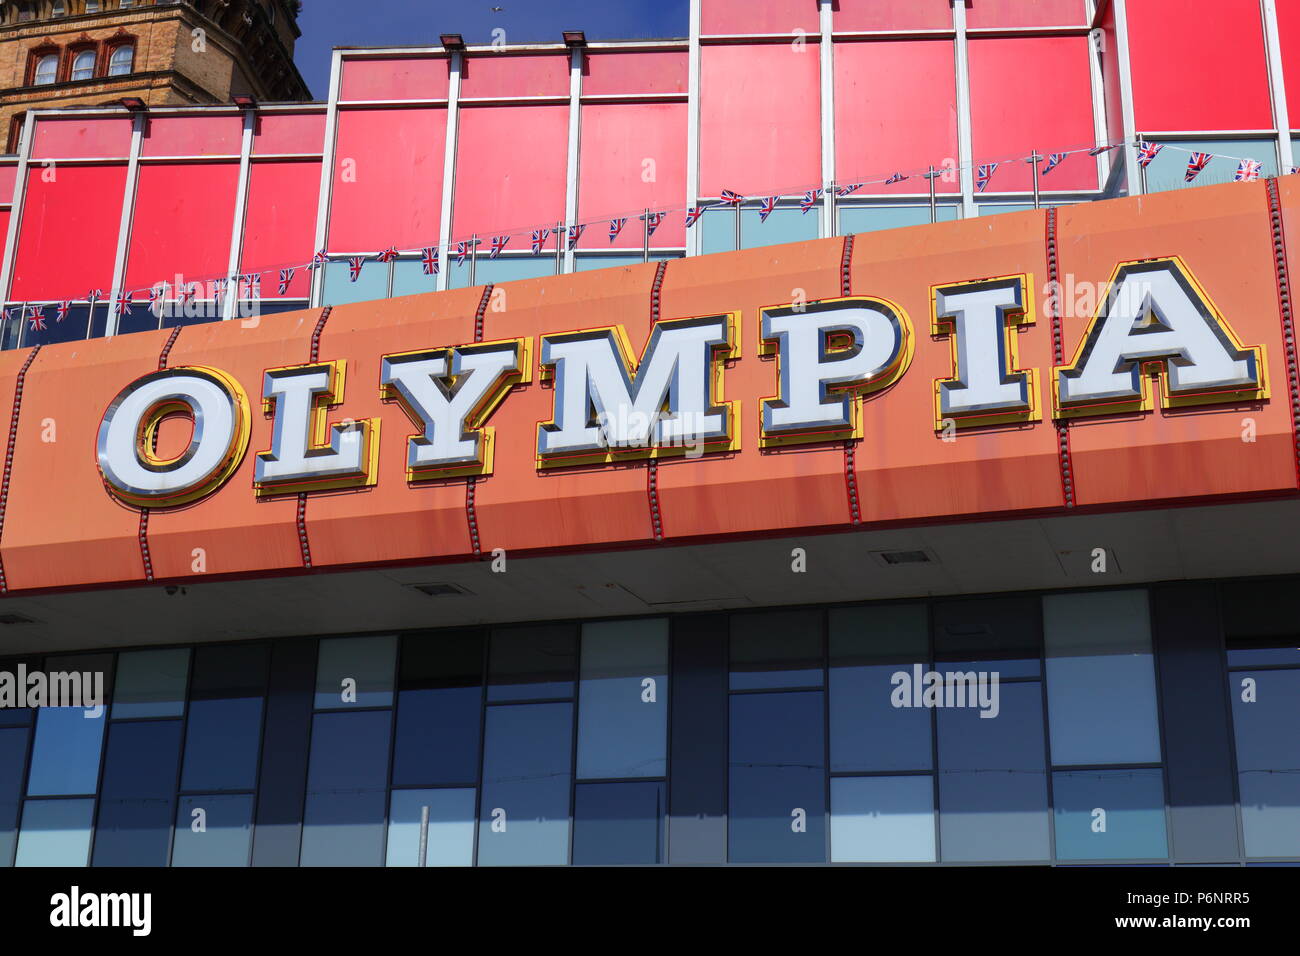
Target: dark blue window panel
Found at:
13, 759
532, 663
623, 699
221, 835
137, 800
777, 782
224, 730
619, 823
355, 667
776, 649
347, 796
198, 314
150, 683
1133, 802
1260, 623
1268, 759
439, 707
65, 756
1001, 634
527, 768
71, 329
10, 692
993, 779
139, 319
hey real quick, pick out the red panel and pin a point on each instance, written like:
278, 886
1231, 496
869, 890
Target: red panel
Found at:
658, 72
1288, 28
387, 179
289, 133
760, 127
4, 229
617, 141
503, 75
1026, 13
496, 192
1198, 65
1012, 117
893, 15
88, 138
280, 225
183, 218
68, 238
194, 136
404, 78
770, 16
8, 175
879, 121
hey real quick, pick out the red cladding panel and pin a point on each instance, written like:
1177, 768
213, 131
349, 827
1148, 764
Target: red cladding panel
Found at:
495, 192
617, 73
503, 75
280, 225
404, 78
82, 138
1012, 115
746, 16
68, 238
880, 15
8, 174
1199, 65
289, 133
387, 179
220, 135
760, 127
623, 144
1288, 28
1026, 13
880, 121
183, 218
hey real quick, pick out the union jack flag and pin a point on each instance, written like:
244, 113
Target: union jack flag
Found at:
1098, 150
983, 174
849, 190
652, 221
1292, 170
354, 267
809, 200
575, 233
615, 227
94, 295
462, 250
252, 283
1195, 164
694, 213
36, 317
539, 240
766, 208
1248, 171
183, 293
320, 259
1147, 152
219, 287
155, 301
498, 244
1054, 160
388, 255
732, 198
286, 276
429, 260
896, 178
123, 303
63, 309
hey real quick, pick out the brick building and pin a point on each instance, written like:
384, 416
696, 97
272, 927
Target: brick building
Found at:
60, 53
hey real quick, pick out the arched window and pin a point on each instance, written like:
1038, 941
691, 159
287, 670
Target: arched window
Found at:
92, 6
83, 65
122, 60
47, 69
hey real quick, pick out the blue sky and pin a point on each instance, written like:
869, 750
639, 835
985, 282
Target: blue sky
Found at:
326, 24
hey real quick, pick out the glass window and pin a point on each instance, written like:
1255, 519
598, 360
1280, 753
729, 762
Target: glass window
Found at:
439, 707
1101, 686
223, 731
776, 649
83, 65
60, 8
13, 674
532, 663
47, 69
1260, 623
214, 830
586, 263
527, 767
355, 672
69, 329
1109, 814
409, 277
993, 778
617, 823
371, 284
92, 6
1265, 717
13, 760
151, 684
1169, 169
777, 781
874, 725
450, 834
516, 267
882, 819
623, 700
996, 208
785, 224
875, 218
137, 796
55, 833
122, 60
65, 752
347, 781
994, 635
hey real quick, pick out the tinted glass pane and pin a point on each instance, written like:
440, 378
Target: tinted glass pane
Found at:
1261, 622
868, 646
1168, 170
450, 839
213, 830
996, 635
882, 819
347, 780
529, 663
355, 672
777, 783
1101, 689
439, 703
776, 649
527, 766
13, 758
371, 283
874, 218
409, 277
1109, 814
507, 270
151, 684
785, 224
1267, 725
993, 780
223, 672
65, 755
55, 833
221, 744
623, 700
136, 797
619, 823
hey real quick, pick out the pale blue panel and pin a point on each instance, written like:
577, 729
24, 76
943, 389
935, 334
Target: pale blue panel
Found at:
994, 208
451, 828
785, 224
875, 218
371, 284
226, 834
882, 819
1168, 169
409, 278
519, 267
1129, 804
55, 833
1268, 760
65, 756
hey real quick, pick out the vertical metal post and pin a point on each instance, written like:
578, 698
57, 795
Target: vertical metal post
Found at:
559, 248
473, 257
934, 206
1033, 160
738, 205
645, 234
424, 836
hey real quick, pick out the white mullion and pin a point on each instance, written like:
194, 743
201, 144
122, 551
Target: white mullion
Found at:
827, 58
326, 180
124, 225
693, 130
571, 182
965, 150
1277, 83
1126, 98
449, 170
17, 203
1100, 130
234, 264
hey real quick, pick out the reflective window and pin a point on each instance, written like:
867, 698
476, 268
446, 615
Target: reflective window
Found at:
47, 69
355, 672
1109, 814
13, 759
122, 60
882, 819
1260, 623
137, 795
874, 218
516, 267
83, 65
223, 731
214, 829
623, 700
532, 663
527, 768
439, 705
617, 823
1266, 720
776, 649
13, 676
55, 833
66, 748
993, 635
371, 282
1101, 691
785, 224
150, 683
409, 277
448, 828
347, 783
1169, 169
